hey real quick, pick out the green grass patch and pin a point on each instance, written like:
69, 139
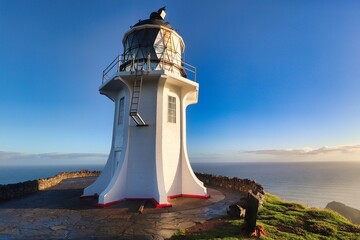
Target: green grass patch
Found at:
284, 220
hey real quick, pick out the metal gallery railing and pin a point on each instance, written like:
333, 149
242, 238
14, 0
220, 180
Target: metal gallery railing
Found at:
144, 64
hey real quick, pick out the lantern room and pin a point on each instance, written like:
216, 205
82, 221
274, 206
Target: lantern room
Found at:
152, 44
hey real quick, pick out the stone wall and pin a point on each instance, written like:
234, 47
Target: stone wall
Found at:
45, 183
236, 184
16, 190
11, 191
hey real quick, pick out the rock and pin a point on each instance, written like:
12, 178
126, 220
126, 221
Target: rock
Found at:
58, 227
252, 211
352, 214
259, 232
236, 211
243, 202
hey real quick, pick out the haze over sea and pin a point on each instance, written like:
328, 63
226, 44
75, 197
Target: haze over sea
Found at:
314, 184
311, 183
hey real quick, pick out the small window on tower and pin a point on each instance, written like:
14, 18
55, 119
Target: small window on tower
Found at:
121, 111
171, 109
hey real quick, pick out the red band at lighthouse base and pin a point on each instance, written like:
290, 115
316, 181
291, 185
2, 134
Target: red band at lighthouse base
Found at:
153, 201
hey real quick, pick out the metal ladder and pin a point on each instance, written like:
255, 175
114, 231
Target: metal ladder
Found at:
135, 101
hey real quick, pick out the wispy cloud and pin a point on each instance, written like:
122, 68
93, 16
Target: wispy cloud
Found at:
17, 158
306, 151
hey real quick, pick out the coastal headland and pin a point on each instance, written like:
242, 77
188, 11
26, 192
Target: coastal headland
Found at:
352, 214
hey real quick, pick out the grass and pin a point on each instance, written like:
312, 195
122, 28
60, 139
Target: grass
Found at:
282, 221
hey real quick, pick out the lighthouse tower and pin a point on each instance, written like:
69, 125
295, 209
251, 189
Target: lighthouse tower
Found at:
150, 88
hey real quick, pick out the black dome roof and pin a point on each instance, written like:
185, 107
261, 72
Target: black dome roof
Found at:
155, 19
154, 22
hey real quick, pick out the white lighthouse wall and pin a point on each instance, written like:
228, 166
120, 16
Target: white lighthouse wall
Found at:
107, 173
115, 189
116, 156
193, 185
179, 178
141, 170
149, 162
171, 140
101, 182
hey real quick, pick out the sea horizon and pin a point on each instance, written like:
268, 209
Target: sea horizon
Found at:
16, 174
312, 183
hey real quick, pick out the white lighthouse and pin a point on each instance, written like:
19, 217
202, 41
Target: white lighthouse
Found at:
151, 90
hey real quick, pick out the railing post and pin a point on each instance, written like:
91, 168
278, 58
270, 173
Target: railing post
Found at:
148, 62
133, 63
119, 63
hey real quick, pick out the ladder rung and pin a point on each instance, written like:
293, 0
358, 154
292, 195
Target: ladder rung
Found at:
135, 101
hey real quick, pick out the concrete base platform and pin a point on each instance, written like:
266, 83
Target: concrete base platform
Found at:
59, 213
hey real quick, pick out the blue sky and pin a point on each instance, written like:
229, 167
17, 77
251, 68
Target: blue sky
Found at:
279, 80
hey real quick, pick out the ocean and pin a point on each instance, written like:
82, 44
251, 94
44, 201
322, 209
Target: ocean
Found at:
314, 184
15, 174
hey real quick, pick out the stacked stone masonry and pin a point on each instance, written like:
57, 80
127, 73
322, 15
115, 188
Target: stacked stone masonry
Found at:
235, 184
16, 190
